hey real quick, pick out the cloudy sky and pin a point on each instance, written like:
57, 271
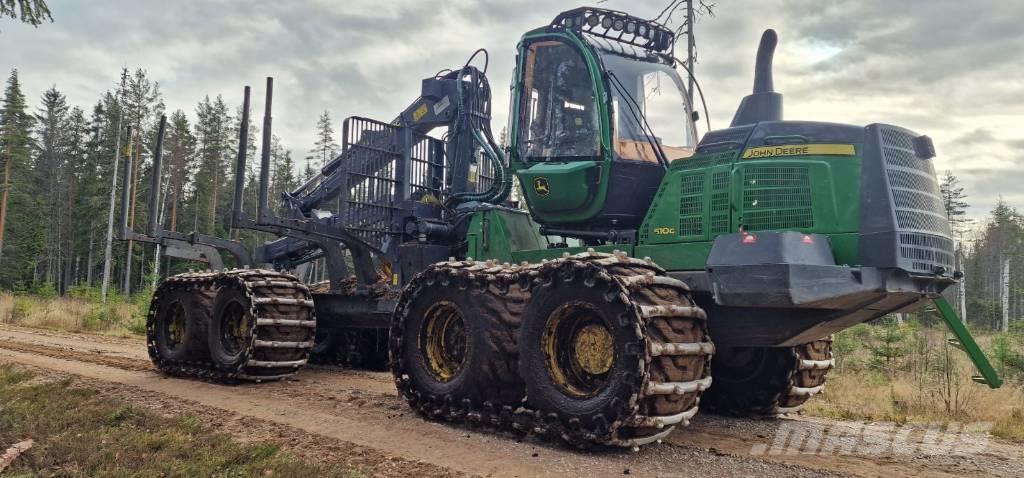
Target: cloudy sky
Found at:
947, 68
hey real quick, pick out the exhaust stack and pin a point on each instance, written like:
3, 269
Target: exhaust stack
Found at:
764, 104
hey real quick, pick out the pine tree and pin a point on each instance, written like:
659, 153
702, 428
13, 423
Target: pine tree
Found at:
324, 148
213, 135
179, 160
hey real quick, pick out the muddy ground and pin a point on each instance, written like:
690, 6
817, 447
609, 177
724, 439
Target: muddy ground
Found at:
356, 418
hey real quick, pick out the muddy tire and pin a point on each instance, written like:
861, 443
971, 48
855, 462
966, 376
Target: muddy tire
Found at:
178, 328
449, 348
612, 350
326, 347
232, 327
268, 316
581, 350
767, 381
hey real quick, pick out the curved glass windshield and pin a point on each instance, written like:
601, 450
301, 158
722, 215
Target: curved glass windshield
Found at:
650, 106
557, 109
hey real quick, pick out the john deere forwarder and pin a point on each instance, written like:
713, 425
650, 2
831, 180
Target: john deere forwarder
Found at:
649, 274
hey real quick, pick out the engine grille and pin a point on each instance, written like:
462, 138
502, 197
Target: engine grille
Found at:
923, 232
777, 197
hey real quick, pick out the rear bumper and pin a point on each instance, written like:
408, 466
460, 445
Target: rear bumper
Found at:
785, 288
791, 304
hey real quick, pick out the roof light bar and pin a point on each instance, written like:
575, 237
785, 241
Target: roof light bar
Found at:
617, 26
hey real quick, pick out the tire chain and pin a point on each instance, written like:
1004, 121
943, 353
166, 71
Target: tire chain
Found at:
812, 362
273, 296
636, 277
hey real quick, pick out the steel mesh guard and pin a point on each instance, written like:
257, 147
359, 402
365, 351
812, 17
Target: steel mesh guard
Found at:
923, 232
371, 162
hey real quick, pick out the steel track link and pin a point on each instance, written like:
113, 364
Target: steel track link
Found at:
281, 331
812, 362
674, 368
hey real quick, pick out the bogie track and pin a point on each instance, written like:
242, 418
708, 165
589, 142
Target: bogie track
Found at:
768, 382
652, 380
254, 324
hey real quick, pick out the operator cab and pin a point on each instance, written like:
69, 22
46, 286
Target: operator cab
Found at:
600, 112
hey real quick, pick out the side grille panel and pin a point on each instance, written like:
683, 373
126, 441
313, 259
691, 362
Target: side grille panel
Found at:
691, 205
923, 235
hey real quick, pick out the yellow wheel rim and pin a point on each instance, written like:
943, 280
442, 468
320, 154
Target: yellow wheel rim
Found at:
176, 326
579, 348
443, 341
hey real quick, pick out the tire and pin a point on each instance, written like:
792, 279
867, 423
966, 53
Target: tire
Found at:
325, 346
232, 309
593, 389
764, 381
179, 329
450, 347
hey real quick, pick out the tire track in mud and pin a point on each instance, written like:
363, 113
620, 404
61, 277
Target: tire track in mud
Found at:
357, 415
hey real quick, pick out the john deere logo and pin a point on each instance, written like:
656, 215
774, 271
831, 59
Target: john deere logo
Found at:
541, 186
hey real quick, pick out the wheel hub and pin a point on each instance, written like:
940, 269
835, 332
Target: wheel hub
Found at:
594, 349
234, 327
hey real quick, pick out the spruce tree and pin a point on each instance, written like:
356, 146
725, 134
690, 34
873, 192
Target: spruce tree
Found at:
21, 234
954, 200
32, 12
50, 182
324, 148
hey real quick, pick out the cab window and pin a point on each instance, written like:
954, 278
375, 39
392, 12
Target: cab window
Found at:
558, 117
650, 108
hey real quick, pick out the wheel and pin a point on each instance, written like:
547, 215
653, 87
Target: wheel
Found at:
326, 346
450, 348
767, 381
580, 351
178, 331
231, 328
587, 347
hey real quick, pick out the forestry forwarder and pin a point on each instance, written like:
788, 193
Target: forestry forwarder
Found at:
706, 273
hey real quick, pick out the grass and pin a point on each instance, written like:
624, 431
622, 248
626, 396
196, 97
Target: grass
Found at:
78, 434
907, 373
80, 311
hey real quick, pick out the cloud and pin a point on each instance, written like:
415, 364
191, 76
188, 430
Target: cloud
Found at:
946, 68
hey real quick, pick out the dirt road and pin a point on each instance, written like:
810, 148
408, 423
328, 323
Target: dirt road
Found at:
356, 418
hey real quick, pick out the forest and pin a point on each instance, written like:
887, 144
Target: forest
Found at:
62, 182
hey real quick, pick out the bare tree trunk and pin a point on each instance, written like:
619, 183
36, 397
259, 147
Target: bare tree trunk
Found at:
126, 288
1005, 295
108, 250
88, 260
961, 288
3, 203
